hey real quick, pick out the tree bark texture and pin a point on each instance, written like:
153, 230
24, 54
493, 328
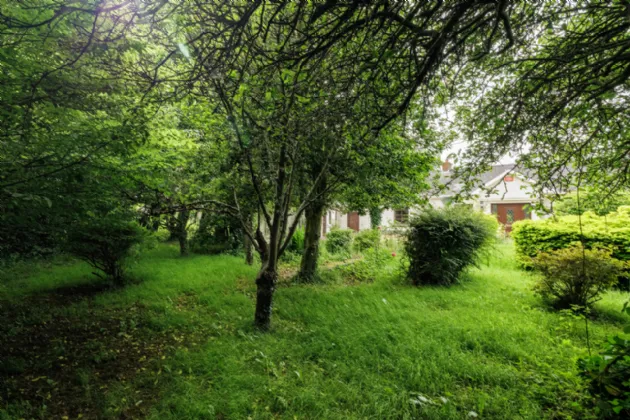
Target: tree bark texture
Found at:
312, 233
266, 286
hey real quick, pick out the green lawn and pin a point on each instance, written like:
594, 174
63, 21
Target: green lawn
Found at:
179, 345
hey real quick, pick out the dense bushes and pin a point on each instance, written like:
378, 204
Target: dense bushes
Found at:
612, 232
575, 277
106, 244
367, 239
442, 243
593, 200
217, 233
297, 241
339, 241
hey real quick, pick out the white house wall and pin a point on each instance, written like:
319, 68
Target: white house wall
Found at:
387, 217
513, 191
516, 191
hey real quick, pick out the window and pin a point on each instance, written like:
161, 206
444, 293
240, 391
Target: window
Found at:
401, 216
528, 211
494, 208
509, 216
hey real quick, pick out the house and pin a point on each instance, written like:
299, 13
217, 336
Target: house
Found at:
503, 191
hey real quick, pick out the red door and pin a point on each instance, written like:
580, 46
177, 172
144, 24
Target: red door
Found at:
510, 213
353, 221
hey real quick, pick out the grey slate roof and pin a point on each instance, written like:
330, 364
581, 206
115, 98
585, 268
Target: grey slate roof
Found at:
455, 187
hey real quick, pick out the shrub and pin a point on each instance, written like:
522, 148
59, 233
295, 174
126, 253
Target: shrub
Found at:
339, 241
575, 277
608, 375
442, 243
217, 233
106, 244
367, 239
162, 234
611, 232
297, 242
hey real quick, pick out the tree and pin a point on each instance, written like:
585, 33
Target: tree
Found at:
285, 75
65, 120
589, 199
559, 101
389, 173
278, 68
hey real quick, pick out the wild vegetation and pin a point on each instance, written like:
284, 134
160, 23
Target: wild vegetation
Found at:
228, 128
185, 347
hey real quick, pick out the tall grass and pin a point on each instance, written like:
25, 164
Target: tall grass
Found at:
379, 350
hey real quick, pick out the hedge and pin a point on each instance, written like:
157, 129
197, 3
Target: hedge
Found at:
612, 232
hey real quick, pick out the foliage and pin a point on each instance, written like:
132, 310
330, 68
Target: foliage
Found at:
366, 270
573, 277
297, 241
217, 233
612, 232
608, 374
366, 239
339, 241
107, 244
162, 234
591, 201
442, 243
62, 138
548, 99
376, 216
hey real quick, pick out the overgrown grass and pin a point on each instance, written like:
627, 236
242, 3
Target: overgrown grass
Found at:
180, 345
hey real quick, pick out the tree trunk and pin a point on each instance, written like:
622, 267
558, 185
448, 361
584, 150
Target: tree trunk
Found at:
312, 233
182, 234
247, 243
249, 251
265, 287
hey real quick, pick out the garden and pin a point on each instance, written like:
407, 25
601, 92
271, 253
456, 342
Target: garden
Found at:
230, 209
376, 336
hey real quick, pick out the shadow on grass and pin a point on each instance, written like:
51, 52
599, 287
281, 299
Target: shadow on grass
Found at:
60, 355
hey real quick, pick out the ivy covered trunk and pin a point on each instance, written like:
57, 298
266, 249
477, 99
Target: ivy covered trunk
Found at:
312, 232
182, 233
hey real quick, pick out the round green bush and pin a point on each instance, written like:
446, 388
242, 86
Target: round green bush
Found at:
442, 243
106, 244
574, 276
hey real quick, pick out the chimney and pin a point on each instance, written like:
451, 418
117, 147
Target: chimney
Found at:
446, 166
